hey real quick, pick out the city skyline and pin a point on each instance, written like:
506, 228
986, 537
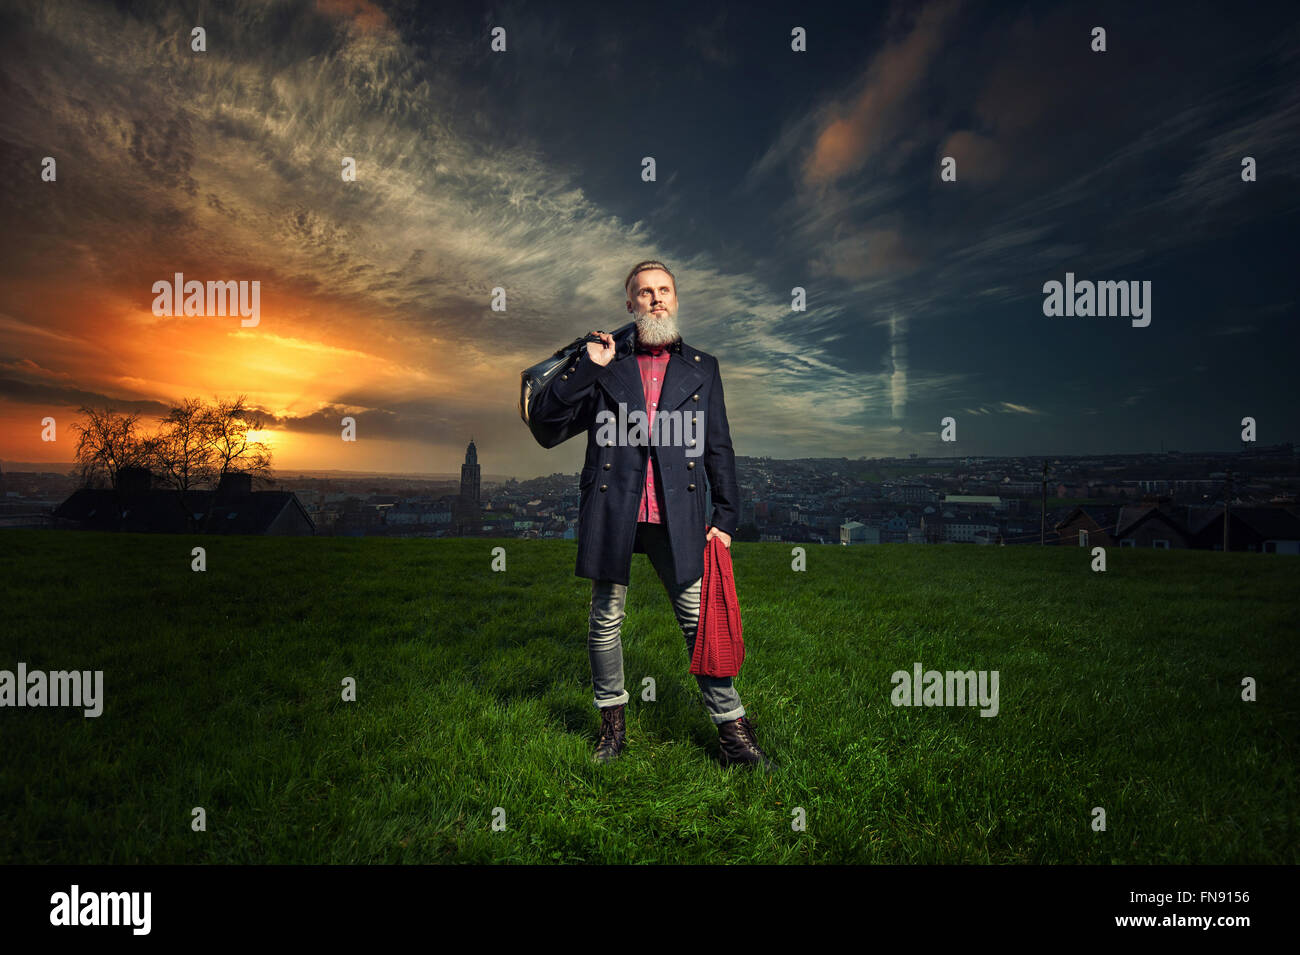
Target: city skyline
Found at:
1252, 454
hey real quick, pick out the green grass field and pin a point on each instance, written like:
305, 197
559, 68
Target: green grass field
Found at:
222, 690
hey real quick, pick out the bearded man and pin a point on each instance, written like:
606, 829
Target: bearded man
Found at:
648, 496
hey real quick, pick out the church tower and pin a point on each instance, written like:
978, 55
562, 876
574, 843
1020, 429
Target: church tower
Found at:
469, 476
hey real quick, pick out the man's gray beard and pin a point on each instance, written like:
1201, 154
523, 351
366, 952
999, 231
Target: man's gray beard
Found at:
655, 329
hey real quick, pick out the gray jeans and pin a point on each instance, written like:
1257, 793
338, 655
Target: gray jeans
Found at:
604, 638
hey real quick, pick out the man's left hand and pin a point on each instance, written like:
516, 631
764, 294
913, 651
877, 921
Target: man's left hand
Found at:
714, 532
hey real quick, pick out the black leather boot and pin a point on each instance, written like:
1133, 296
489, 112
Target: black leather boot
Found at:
613, 733
740, 747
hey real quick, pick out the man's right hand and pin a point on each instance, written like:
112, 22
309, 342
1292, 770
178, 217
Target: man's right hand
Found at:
602, 352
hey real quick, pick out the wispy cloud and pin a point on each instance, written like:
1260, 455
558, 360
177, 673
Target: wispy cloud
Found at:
1002, 407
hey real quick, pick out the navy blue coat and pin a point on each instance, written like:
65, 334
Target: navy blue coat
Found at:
614, 474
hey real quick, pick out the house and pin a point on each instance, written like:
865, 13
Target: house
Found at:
894, 531
1264, 530
934, 527
966, 530
1152, 525
137, 507
1091, 526
975, 500
404, 513
855, 532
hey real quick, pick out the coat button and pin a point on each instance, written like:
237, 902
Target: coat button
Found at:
694, 420
690, 487
695, 397
692, 442
564, 378
697, 357
690, 465
606, 465
609, 444
604, 487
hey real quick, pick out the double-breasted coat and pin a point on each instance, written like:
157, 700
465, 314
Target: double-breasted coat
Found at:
613, 474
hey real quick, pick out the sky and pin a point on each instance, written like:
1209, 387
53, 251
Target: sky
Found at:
774, 169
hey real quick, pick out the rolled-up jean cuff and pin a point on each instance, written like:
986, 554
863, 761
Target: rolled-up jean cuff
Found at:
617, 701
728, 716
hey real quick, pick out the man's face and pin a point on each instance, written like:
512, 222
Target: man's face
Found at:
652, 296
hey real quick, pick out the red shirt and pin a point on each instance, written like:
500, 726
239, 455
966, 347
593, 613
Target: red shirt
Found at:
653, 362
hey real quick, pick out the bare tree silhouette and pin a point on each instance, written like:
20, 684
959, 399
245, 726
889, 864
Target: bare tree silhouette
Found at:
225, 426
196, 447
108, 442
185, 458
